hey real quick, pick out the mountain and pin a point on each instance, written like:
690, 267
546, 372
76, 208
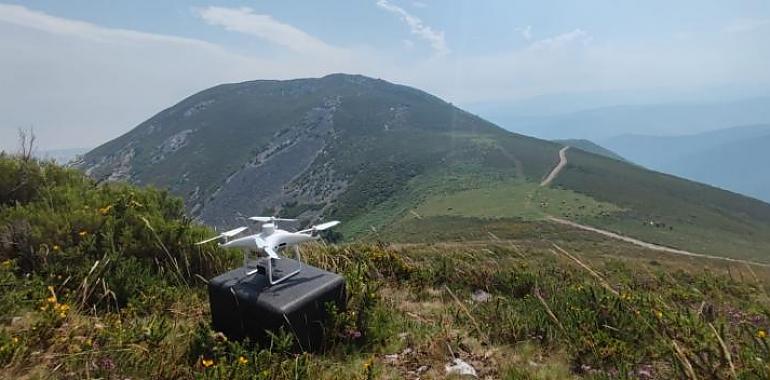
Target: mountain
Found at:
657, 119
340, 142
396, 163
731, 158
591, 147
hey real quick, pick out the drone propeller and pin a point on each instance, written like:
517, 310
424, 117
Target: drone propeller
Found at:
226, 234
321, 227
267, 219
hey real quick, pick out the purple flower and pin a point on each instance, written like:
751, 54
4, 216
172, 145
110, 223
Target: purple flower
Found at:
106, 363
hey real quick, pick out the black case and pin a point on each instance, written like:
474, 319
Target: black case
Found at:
246, 306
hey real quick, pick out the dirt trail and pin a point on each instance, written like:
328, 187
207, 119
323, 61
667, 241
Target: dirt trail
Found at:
557, 169
652, 246
555, 172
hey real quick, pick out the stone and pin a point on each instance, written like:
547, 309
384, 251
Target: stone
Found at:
16, 321
461, 368
480, 296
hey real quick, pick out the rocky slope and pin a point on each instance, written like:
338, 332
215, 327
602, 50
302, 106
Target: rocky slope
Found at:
285, 146
395, 162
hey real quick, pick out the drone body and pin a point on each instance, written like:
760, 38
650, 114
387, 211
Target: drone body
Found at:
270, 240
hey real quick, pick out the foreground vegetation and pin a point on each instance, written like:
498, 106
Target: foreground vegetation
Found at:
103, 281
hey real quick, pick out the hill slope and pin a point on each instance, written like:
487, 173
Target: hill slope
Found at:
385, 158
273, 146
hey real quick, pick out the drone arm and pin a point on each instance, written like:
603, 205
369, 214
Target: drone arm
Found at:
224, 235
271, 253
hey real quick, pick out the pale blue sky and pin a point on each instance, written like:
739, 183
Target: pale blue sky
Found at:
473, 27
82, 72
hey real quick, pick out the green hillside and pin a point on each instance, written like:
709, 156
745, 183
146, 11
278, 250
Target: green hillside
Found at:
381, 156
665, 209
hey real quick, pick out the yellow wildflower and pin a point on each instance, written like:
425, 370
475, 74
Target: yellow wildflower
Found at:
56, 248
52, 298
207, 362
761, 334
105, 210
659, 314
61, 309
83, 233
15, 339
242, 360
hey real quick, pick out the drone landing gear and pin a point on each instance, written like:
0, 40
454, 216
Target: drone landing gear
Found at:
267, 269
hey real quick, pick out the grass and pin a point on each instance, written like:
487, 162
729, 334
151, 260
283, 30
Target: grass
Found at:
472, 191
527, 201
547, 317
456, 177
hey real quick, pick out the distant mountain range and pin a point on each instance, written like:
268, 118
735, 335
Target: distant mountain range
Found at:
733, 158
670, 119
500, 112
397, 163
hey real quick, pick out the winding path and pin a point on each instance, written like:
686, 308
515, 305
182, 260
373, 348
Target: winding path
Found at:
557, 169
647, 245
655, 247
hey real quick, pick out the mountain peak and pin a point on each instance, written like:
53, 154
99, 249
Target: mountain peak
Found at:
349, 77
371, 152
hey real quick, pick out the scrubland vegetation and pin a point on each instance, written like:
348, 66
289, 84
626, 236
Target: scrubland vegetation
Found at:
104, 281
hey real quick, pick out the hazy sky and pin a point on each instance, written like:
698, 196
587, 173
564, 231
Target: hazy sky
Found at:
83, 72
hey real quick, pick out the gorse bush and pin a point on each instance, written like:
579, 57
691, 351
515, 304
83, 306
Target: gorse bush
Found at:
108, 269
109, 241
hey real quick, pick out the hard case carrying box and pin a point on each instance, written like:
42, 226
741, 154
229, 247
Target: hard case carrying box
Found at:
246, 306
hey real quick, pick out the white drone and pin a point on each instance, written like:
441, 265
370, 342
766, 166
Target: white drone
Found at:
270, 240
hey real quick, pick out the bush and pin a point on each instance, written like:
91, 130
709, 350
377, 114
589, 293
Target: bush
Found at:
109, 242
